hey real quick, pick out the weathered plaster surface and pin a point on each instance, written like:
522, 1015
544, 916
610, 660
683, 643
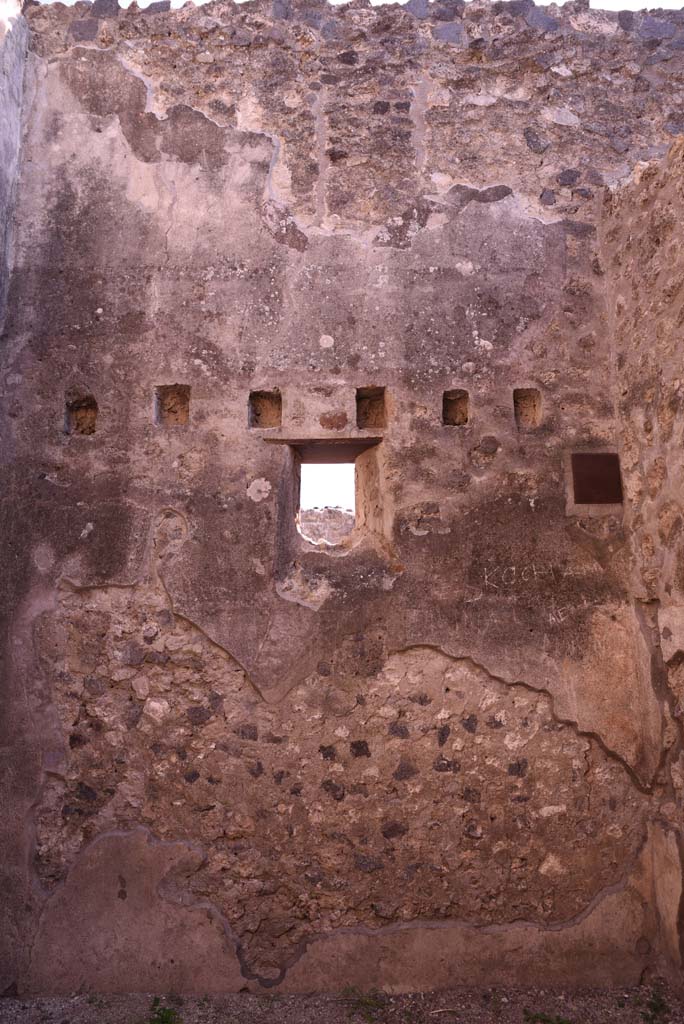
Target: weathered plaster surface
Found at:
452, 749
13, 43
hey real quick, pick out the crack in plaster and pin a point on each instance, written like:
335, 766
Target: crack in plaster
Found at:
417, 924
270, 190
679, 838
322, 157
669, 755
661, 689
303, 946
246, 121
417, 113
38, 601
645, 788
158, 578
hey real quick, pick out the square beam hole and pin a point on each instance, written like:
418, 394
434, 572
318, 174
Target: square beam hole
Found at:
172, 405
265, 408
370, 408
596, 478
80, 413
455, 408
527, 406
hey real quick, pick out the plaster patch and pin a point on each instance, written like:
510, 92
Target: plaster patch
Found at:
309, 592
43, 557
259, 489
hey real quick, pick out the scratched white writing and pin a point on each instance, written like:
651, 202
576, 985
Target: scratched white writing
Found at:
501, 577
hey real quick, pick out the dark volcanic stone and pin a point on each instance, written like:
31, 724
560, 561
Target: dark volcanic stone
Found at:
626, 20
399, 730
451, 32
568, 176
105, 8
367, 864
199, 715
85, 792
653, 28
535, 141
404, 770
247, 731
83, 30
393, 829
333, 789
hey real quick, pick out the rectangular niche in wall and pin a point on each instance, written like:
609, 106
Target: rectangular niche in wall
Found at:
172, 405
596, 478
370, 408
80, 413
265, 408
455, 408
527, 406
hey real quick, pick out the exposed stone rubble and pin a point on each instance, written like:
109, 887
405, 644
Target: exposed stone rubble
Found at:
440, 241
288, 803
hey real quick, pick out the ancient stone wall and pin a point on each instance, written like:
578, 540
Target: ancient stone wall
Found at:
645, 268
445, 750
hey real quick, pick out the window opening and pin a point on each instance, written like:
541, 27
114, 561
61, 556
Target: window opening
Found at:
596, 478
327, 502
455, 411
527, 405
265, 408
172, 405
337, 490
80, 416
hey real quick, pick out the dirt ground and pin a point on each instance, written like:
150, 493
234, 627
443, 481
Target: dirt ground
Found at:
653, 1004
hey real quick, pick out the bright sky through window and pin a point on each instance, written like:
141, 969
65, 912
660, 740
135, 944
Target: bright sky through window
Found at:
327, 486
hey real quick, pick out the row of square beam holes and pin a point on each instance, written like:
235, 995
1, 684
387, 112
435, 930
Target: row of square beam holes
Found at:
596, 475
172, 408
